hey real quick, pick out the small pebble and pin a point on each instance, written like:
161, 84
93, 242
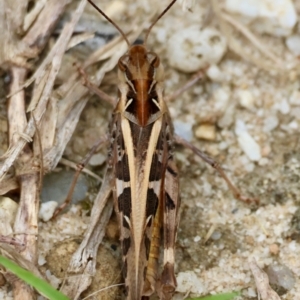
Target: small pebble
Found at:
215, 74
228, 117
56, 186
8, 207
283, 107
41, 260
247, 142
293, 44
293, 125
189, 282
216, 235
274, 249
97, 159
47, 210
197, 238
246, 99
295, 98
270, 123
193, 48
115, 8
183, 129
206, 132
281, 276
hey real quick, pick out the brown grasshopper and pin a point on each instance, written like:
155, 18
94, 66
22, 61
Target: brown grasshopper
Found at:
142, 175
140, 159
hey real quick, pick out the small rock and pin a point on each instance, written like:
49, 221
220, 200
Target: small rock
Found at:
53, 280
197, 238
228, 117
276, 17
274, 249
293, 44
295, 98
192, 48
47, 210
293, 125
215, 74
183, 129
97, 159
206, 132
41, 260
247, 142
281, 278
56, 186
216, 235
189, 282
283, 107
270, 123
115, 8
8, 210
246, 99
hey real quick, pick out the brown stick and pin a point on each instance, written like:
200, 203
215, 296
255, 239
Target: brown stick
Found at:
237, 194
94, 89
199, 75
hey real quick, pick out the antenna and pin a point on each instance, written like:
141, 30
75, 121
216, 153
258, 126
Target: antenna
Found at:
112, 22
160, 16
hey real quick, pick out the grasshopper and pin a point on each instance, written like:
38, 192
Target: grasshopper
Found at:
142, 174
140, 159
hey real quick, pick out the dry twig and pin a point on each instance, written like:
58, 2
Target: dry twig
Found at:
262, 282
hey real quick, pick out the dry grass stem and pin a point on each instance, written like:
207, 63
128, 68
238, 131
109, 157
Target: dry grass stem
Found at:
262, 282
73, 165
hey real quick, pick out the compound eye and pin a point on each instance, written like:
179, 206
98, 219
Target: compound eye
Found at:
153, 59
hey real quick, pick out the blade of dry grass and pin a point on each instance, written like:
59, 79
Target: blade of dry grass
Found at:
262, 282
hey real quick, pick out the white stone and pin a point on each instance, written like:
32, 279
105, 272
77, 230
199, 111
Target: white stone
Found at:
293, 125
245, 98
295, 98
192, 48
276, 17
183, 129
251, 293
247, 142
240, 126
283, 106
189, 282
8, 210
293, 44
197, 238
8, 207
270, 123
215, 74
41, 260
47, 210
55, 282
97, 159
